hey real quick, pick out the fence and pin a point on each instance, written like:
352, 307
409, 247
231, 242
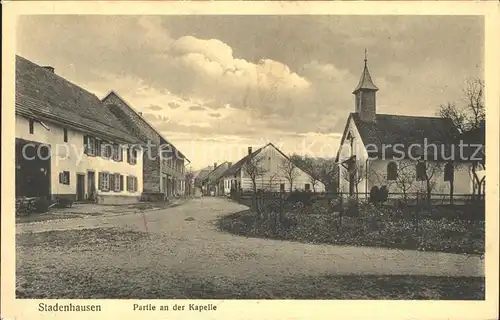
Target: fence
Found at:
439, 205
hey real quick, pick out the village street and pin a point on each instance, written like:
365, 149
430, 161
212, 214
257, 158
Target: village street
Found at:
185, 240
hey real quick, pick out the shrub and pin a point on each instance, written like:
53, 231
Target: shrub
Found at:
378, 195
352, 207
300, 196
374, 191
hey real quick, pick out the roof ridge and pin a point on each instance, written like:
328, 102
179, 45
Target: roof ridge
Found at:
143, 118
54, 74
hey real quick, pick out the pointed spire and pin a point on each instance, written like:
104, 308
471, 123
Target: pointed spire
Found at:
366, 81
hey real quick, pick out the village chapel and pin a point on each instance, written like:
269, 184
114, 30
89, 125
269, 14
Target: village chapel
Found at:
389, 150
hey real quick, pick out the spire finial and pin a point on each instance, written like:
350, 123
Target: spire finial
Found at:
366, 59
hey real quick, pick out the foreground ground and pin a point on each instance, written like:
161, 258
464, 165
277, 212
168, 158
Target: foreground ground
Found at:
180, 253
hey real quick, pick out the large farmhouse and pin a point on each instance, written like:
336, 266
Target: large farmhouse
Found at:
407, 154
68, 144
164, 165
272, 171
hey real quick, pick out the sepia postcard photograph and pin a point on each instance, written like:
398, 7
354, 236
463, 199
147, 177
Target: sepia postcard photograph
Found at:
278, 161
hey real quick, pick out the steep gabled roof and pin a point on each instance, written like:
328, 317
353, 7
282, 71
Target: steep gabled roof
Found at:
238, 165
218, 171
42, 94
202, 173
232, 170
120, 116
390, 130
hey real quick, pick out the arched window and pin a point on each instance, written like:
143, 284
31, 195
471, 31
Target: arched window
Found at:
421, 171
449, 172
392, 171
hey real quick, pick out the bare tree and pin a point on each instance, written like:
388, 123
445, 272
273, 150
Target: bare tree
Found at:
254, 169
468, 119
431, 170
289, 171
406, 178
320, 170
329, 175
469, 116
188, 176
355, 175
272, 179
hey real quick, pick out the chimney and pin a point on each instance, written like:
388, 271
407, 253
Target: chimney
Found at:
249, 150
229, 164
49, 68
140, 113
215, 165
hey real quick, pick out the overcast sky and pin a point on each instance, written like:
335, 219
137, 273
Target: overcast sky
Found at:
214, 85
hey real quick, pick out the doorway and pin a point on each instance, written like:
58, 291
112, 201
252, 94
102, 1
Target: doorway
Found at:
90, 185
80, 186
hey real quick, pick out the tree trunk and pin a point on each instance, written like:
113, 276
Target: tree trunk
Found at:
451, 192
429, 191
254, 200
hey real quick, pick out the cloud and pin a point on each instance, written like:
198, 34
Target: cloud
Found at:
251, 84
196, 108
174, 105
155, 107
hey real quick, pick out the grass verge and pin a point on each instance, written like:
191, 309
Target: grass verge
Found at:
444, 235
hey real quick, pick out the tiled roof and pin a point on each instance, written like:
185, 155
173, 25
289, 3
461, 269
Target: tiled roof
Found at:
124, 119
45, 95
232, 170
391, 130
201, 174
218, 172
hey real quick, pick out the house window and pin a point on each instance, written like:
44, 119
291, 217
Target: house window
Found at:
421, 174
112, 181
89, 143
131, 184
308, 187
98, 147
64, 177
132, 156
392, 171
106, 149
116, 182
65, 133
104, 181
449, 172
117, 152
32, 126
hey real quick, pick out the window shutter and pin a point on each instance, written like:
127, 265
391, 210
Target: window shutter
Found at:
86, 144
135, 184
99, 184
98, 148
68, 174
111, 182
60, 177
121, 182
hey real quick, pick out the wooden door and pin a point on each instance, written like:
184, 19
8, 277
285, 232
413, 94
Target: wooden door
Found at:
80, 187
